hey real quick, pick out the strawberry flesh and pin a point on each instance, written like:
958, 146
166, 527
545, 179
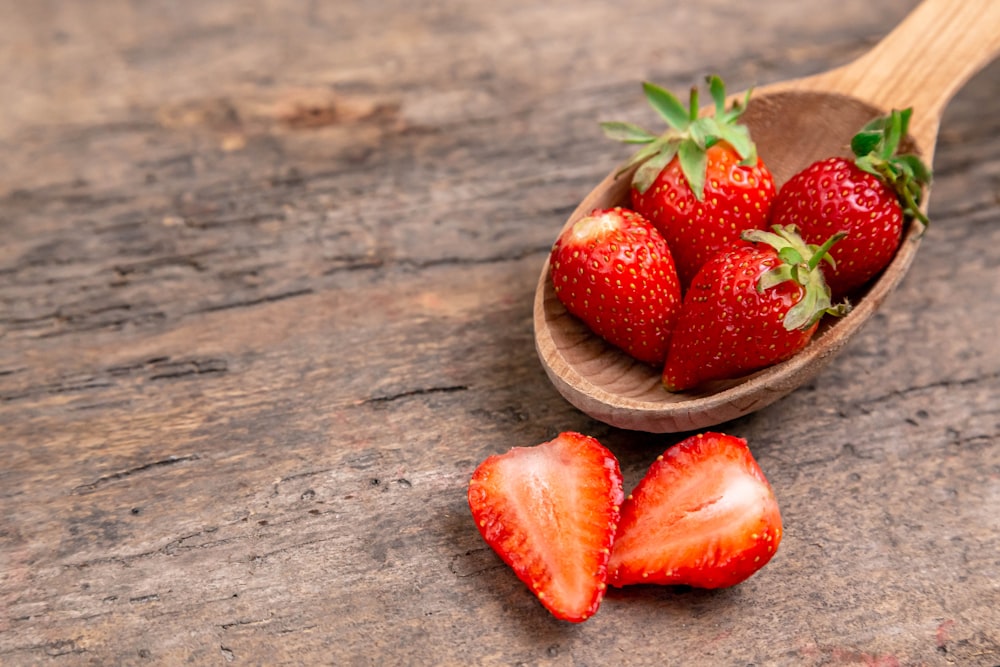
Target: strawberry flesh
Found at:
703, 516
550, 512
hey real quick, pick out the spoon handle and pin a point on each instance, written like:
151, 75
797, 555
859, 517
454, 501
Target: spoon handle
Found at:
923, 62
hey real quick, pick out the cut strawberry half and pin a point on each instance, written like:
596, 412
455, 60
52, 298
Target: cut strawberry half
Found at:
704, 516
550, 512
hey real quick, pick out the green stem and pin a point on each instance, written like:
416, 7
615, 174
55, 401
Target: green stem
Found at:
914, 208
820, 253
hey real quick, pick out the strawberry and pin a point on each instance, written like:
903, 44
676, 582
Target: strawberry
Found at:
614, 271
701, 182
867, 197
704, 516
751, 306
550, 512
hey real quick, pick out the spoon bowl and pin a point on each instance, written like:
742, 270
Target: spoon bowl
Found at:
920, 64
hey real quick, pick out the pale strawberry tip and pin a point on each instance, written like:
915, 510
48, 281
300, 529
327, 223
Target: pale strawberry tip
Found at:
613, 271
595, 226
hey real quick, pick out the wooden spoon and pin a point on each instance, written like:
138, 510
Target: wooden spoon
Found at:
920, 64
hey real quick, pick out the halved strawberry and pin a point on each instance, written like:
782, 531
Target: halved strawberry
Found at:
550, 512
704, 515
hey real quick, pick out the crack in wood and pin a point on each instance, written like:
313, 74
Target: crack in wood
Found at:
195, 222
53, 389
24, 322
53, 649
256, 302
168, 549
115, 324
125, 560
124, 474
147, 266
389, 398
157, 368
348, 263
191, 367
260, 558
49, 196
128, 369
512, 256
241, 622
308, 473
942, 384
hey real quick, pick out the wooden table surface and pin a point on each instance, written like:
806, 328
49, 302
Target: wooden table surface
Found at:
266, 278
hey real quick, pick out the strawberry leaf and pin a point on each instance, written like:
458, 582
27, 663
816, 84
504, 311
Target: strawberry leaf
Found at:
799, 262
646, 152
736, 110
694, 164
875, 149
689, 137
904, 125
866, 142
774, 277
738, 136
667, 105
627, 133
893, 135
705, 132
651, 168
790, 255
718, 91
806, 311
868, 163
876, 125
915, 168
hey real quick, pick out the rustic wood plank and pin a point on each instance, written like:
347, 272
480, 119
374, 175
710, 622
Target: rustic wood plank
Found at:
265, 301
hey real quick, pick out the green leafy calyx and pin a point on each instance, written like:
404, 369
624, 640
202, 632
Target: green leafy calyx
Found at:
875, 148
800, 261
688, 137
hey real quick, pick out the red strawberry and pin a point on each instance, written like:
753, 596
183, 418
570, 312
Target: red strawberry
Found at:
704, 515
866, 197
550, 512
614, 271
701, 182
749, 307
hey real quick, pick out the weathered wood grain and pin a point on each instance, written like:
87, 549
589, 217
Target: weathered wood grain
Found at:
265, 301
